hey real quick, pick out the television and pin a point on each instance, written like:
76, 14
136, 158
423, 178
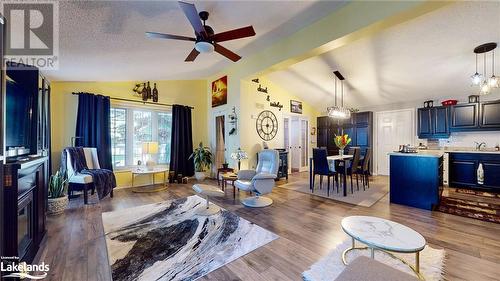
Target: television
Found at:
20, 121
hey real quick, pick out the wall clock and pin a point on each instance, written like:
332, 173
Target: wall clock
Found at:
267, 125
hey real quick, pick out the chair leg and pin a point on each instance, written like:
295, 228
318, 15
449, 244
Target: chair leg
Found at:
357, 181
368, 179
312, 187
320, 181
352, 190
337, 180
85, 195
111, 194
328, 187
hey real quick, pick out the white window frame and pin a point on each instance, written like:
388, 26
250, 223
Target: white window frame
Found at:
129, 122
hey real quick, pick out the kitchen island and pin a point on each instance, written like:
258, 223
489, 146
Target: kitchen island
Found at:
416, 179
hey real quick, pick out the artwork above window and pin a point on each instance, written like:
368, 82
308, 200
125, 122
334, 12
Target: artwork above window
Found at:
131, 127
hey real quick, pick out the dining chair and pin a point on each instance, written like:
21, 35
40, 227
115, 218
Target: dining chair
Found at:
321, 168
365, 168
352, 168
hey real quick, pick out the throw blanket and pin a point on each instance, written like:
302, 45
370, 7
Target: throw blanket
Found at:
104, 180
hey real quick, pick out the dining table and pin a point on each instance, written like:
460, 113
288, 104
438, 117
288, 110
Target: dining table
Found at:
345, 158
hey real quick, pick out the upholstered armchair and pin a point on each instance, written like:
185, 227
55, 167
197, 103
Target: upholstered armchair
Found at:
260, 181
78, 181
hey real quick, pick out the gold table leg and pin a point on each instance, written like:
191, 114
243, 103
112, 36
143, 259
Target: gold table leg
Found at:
415, 269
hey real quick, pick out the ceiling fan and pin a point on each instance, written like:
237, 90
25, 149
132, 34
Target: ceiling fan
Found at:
206, 40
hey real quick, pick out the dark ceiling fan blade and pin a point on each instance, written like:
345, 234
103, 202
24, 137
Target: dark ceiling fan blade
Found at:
193, 17
227, 53
234, 34
192, 56
169, 36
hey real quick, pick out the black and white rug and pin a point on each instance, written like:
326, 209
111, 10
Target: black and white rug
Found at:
168, 241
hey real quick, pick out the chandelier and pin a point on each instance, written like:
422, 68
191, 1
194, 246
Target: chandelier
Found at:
336, 111
485, 83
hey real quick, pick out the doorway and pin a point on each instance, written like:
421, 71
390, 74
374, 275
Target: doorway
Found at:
393, 129
220, 142
296, 141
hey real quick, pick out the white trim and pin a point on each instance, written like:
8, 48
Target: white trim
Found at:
375, 132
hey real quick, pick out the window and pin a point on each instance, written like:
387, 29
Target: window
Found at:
131, 126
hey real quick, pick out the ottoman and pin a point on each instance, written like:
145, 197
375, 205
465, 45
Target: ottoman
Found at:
206, 191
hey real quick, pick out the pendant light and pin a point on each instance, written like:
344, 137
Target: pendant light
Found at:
336, 111
493, 82
485, 87
476, 77
485, 84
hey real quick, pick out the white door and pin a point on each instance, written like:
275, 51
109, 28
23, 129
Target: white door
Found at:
393, 129
286, 139
299, 144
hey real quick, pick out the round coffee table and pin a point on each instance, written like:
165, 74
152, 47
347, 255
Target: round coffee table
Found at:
384, 235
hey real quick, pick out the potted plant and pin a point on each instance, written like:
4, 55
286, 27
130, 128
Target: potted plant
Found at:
58, 201
225, 165
341, 142
202, 158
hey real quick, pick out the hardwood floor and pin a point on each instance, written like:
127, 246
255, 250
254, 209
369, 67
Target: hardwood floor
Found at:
308, 226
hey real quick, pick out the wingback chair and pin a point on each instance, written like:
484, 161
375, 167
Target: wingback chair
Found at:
260, 181
78, 181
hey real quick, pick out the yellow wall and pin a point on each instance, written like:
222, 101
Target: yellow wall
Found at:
64, 109
254, 102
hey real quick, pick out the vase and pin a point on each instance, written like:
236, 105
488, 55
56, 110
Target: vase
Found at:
341, 152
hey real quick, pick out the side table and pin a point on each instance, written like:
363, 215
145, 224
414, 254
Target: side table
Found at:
223, 171
229, 177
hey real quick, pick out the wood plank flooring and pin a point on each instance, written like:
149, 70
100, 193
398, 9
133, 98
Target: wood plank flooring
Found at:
309, 228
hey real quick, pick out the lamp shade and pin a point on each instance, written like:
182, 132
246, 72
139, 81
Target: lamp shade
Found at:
150, 147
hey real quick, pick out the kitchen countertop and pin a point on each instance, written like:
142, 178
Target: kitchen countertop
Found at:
419, 154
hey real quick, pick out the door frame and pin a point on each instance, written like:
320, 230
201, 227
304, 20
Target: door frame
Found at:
298, 117
375, 132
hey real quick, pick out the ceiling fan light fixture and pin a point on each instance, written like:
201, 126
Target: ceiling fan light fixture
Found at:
204, 47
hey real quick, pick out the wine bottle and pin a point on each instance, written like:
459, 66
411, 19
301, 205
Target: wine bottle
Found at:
144, 93
149, 91
155, 93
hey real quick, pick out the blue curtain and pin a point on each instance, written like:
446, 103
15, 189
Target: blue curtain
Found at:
181, 141
93, 126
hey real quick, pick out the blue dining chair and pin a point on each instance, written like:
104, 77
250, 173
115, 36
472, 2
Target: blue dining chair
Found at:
321, 168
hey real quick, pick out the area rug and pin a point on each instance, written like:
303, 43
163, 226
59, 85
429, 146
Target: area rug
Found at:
471, 209
330, 266
365, 198
168, 241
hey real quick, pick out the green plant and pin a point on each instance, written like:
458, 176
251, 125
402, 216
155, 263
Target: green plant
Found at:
58, 185
202, 157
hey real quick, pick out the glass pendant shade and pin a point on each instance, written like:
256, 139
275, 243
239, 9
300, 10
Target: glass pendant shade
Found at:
476, 79
485, 88
494, 82
338, 112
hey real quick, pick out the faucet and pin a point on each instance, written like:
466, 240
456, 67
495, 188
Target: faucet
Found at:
480, 145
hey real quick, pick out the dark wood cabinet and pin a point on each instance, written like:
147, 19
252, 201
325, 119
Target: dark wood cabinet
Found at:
465, 116
424, 123
490, 114
433, 122
463, 169
359, 127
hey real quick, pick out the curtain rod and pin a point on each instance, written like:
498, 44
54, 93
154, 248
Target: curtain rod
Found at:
140, 101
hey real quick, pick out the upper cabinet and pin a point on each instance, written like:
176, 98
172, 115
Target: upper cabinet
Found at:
490, 114
484, 116
464, 116
433, 122
438, 122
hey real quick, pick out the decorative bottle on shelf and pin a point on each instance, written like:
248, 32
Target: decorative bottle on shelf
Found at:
480, 174
144, 93
148, 88
155, 93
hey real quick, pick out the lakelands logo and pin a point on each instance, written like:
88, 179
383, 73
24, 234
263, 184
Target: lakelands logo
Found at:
31, 33
24, 270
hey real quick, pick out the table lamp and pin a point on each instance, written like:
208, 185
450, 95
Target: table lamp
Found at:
239, 155
149, 149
